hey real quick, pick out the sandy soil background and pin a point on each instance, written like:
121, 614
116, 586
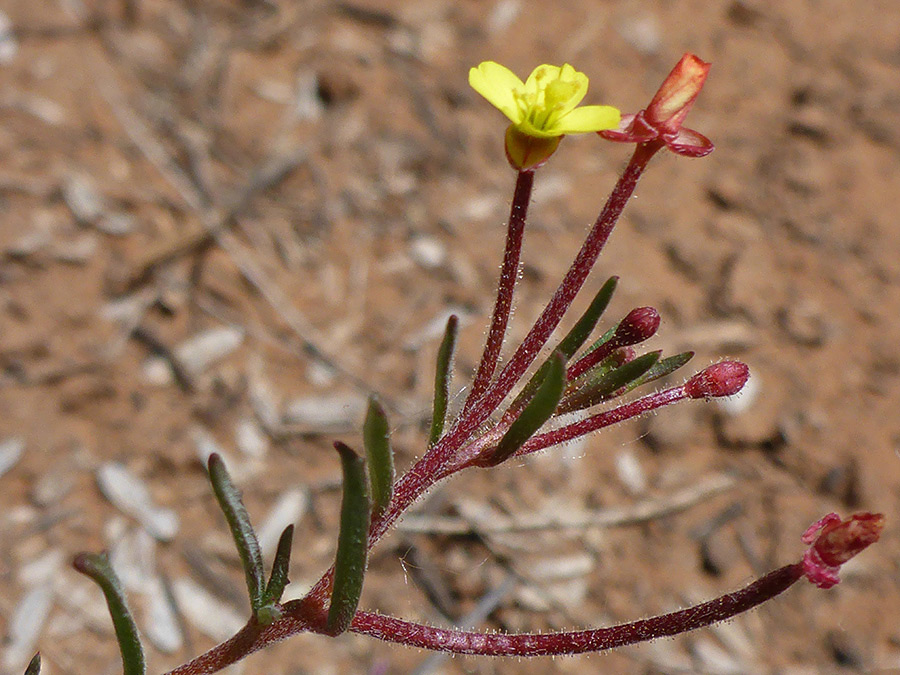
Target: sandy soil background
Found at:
356, 191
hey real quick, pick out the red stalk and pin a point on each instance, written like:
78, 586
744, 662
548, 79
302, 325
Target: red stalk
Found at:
577, 642
505, 287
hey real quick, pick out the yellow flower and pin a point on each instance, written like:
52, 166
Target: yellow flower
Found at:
545, 105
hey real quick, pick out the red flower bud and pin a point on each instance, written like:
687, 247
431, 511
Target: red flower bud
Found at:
834, 542
638, 325
720, 379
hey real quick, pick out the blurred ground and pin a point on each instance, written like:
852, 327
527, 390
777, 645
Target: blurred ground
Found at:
356, 189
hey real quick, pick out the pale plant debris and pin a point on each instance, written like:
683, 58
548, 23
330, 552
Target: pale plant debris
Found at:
331, 412
11, 451
250, 439
26, 624
640, 512
130, 495
630, 472
201, 351
289, 509
160, 623
9, 45
211, 616
83, 198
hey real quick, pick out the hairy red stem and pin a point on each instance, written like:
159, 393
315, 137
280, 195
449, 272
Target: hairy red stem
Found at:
509, 273
562, 299
604, 419
578, 642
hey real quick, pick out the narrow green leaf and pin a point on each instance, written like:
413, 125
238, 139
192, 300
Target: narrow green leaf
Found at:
599, 342
279, 578
573, 340
662, 368
98, 569
34, 666
229, 498
350, 561
379, 456
442, 379
539, 409
602, 387
576, 337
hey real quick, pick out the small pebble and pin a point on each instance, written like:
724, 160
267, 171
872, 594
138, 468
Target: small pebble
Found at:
157, 372
83, 199
428, 252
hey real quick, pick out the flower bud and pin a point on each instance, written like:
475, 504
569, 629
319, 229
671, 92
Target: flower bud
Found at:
638, 325
720, 379
834, 542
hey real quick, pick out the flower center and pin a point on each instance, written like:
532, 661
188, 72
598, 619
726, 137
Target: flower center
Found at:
546, 100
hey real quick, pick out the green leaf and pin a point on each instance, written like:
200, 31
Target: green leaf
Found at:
576, 337
539, 409
229, 498
379, 456
573, 340
442, 379
34, 666
98, 569
602, 340
279, 578
350, 561
599, 388
662, 368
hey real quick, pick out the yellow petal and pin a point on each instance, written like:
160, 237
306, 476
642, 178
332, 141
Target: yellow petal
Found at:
586, 119
540, 76
576, 86
497, 84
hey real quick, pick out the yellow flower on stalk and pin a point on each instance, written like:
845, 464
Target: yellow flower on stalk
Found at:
542, 109
545, 105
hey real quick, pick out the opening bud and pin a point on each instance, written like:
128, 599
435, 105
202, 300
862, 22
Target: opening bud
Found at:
662, 120
835, 541
720, 379
673, 101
